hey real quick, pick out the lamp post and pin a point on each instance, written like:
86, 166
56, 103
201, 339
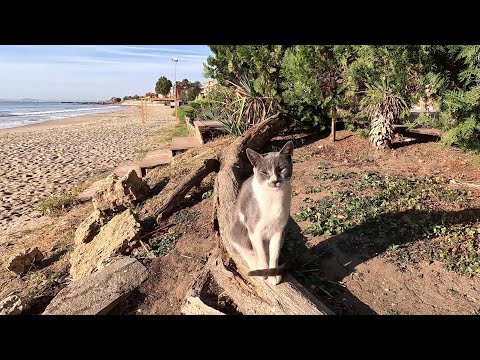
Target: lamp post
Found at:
175, 60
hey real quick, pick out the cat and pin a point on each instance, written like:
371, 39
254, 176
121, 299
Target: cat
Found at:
262, 210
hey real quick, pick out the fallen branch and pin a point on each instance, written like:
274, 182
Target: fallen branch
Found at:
193, 179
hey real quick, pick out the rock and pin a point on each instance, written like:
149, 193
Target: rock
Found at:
115, 238
99, 293
21, 262
12, 305
90, 227
87, 194
117, 194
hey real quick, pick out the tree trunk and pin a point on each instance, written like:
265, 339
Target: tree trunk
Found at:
334, 125
381, 132
226, 271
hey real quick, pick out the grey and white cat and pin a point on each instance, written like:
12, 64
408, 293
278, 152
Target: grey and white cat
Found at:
262, 210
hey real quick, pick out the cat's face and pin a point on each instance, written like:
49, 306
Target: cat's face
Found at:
272, 169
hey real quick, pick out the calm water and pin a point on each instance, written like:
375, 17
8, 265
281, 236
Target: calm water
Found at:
20, 113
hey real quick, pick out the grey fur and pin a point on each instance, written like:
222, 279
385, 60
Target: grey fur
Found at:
272, 173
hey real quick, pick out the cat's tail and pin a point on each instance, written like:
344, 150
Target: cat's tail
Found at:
268, 272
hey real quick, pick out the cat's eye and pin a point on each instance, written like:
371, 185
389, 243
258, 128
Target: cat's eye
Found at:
263, 173
283, 171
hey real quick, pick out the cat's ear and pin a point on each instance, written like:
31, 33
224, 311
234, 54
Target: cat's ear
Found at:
254, 157
287, 149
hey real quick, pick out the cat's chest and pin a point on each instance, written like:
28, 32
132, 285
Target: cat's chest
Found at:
274, 208
271, 205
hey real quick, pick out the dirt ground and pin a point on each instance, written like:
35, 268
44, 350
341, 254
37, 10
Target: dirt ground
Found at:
54, 238
171, 275
348, 279
355, 282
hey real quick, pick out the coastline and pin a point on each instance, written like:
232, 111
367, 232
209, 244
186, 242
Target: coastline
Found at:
54, 123
49, 158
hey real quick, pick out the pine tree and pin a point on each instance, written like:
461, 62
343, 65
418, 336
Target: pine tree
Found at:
460, 107
313, 82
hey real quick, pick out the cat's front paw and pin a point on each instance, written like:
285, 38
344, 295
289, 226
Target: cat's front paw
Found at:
275, 280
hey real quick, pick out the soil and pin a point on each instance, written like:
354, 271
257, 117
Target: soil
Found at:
355, 283
350, 283
54, 238
171, 275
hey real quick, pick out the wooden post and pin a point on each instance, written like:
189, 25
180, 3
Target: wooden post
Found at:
334, 124
176, 106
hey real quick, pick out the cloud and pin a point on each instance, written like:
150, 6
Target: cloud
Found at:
93, 71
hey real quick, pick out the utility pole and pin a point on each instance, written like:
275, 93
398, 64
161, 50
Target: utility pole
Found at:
175, 60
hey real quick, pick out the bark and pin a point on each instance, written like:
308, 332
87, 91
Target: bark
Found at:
194, 179
226, 272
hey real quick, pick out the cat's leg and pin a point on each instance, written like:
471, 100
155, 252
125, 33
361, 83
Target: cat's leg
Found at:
259, 247
242, 244
248, 255
275, 246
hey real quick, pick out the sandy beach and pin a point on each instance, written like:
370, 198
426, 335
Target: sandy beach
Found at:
50, 157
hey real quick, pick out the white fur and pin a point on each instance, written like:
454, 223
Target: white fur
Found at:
274, 206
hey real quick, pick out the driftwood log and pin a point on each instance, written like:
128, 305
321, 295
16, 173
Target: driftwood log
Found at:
225, 273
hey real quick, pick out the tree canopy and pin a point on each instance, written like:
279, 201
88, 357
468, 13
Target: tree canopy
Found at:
314, 82
187, 90
163, 86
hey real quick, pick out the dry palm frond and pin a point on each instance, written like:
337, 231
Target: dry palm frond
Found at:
383, 108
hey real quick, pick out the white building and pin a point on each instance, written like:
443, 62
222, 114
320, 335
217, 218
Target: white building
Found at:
207, 86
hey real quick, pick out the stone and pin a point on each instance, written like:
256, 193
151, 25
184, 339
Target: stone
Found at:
101, 292
117, 194
90, 227
87, 194
21, 262
117, 237
12, 305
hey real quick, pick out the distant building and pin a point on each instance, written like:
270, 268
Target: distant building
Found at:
151, 95
207, 86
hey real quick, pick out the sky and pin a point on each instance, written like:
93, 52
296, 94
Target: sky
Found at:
94, 72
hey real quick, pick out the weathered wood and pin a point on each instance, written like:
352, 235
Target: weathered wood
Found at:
289, 297
464, 183
195, 306
155, 158
253, 297
193, 179
99, 293
124, 169
184, 143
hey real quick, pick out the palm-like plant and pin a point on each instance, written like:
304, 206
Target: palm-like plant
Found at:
248, 107
383, 108
239, 106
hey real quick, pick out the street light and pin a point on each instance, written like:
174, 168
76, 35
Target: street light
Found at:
175, 60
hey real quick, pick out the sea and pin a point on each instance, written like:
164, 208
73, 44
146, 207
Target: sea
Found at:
21, 113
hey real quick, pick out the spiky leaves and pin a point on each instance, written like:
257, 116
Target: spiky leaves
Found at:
384, 108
